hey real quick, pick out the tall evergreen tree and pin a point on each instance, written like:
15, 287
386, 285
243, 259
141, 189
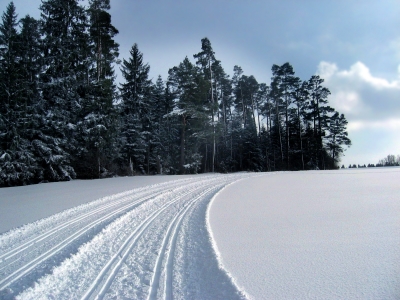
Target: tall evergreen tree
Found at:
135, 107
300, 100
10, 88
338, 136
97, 124
284, 77
65, 42
238, 92
319, 114
17, 163
276, 131
189, 89
208, 63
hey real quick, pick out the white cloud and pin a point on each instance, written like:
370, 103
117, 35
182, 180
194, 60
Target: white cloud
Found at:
391, 124
372, 107
360, 72
359, 94
347, 101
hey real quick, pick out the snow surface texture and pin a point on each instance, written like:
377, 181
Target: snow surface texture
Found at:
147, 243
289, 235
312, 235
26, 204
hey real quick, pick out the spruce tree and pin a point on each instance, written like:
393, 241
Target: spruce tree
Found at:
65, 42
189, 89
10, 78
17, 162
96, 143
135, 106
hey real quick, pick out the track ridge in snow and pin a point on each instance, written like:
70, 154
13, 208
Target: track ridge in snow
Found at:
135, 244
85, 222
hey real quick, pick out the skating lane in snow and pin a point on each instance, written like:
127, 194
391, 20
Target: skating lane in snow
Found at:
150, 242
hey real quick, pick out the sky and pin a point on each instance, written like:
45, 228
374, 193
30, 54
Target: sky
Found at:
353, 44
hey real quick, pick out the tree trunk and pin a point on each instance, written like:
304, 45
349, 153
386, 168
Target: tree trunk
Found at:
182, 156
212, 111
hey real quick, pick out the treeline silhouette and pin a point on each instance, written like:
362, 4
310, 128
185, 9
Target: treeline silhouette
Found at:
389, 161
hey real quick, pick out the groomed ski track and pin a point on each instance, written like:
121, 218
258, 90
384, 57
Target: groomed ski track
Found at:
148, 243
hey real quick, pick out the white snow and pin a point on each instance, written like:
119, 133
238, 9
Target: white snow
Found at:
26, 204
285, 235
150, 242
312, 235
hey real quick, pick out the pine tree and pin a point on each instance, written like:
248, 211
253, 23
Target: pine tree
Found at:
319, 114
17, 163
253, 159
225, 100
135, 106
276, 130
300, 101
338, 136
65, 43
238, 92
98, 115
189, 89
284, 77
208, 63
10, 78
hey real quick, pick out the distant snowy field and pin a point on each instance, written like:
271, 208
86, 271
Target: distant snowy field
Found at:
285, 235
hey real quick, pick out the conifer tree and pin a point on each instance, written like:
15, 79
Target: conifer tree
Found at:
65, 42
300, 101
10, 78
319, 114
276, 131
208, 63
189, 89
284, 77
17, 163
135, 106
98, 116
338, 136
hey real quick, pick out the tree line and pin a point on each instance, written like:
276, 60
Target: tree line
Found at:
63, 116
389, 161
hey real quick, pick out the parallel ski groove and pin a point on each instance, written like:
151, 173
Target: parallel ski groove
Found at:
167, 242
109, 271
123, 198
44, 256
136, 237
20, 272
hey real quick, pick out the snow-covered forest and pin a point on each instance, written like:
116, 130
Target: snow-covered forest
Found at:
63, 115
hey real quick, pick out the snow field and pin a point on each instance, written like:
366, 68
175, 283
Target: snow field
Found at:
147, 243
285, 235
312, 235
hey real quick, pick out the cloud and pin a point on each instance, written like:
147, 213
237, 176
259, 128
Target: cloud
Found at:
391, 124
359, 94
372, 107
